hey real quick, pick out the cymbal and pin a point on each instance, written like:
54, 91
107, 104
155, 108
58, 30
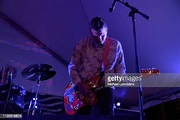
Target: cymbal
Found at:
38, 72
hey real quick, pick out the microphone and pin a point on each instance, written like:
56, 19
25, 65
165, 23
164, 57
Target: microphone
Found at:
113, 5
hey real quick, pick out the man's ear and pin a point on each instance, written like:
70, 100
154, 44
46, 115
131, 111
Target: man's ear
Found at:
107, 29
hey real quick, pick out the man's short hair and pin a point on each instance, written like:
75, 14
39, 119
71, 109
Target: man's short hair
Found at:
97, 23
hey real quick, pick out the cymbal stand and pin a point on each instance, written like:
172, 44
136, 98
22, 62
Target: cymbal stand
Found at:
33, 103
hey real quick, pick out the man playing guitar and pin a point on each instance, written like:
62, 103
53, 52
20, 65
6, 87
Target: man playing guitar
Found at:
91, 58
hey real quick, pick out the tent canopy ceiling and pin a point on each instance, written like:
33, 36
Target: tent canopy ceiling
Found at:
51, 29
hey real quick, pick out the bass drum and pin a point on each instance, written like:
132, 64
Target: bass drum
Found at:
11, 98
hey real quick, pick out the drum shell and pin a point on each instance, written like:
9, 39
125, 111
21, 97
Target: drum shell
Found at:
13, 97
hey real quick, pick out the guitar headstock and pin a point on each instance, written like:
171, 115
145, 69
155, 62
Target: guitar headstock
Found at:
149, 71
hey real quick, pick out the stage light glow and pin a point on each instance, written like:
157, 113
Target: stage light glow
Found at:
118, 104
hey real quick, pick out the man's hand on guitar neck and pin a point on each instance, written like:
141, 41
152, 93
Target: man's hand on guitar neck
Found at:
83, 90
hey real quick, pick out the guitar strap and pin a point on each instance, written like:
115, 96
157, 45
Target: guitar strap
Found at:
105, 56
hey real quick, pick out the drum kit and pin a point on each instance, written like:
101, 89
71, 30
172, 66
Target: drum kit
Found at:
12, 95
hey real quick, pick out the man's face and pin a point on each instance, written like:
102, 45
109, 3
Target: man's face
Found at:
99, 36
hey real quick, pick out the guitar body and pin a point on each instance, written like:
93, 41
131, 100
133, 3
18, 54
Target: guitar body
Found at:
72, 103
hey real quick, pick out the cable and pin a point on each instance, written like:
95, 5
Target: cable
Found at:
84, 12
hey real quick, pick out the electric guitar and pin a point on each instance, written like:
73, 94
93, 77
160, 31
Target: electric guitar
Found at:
72, 102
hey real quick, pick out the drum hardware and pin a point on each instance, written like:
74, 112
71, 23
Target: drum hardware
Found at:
11, 95
33, 108
4, 73
37, 73
9, 90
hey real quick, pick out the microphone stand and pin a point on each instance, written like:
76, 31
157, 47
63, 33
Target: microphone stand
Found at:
140, 92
